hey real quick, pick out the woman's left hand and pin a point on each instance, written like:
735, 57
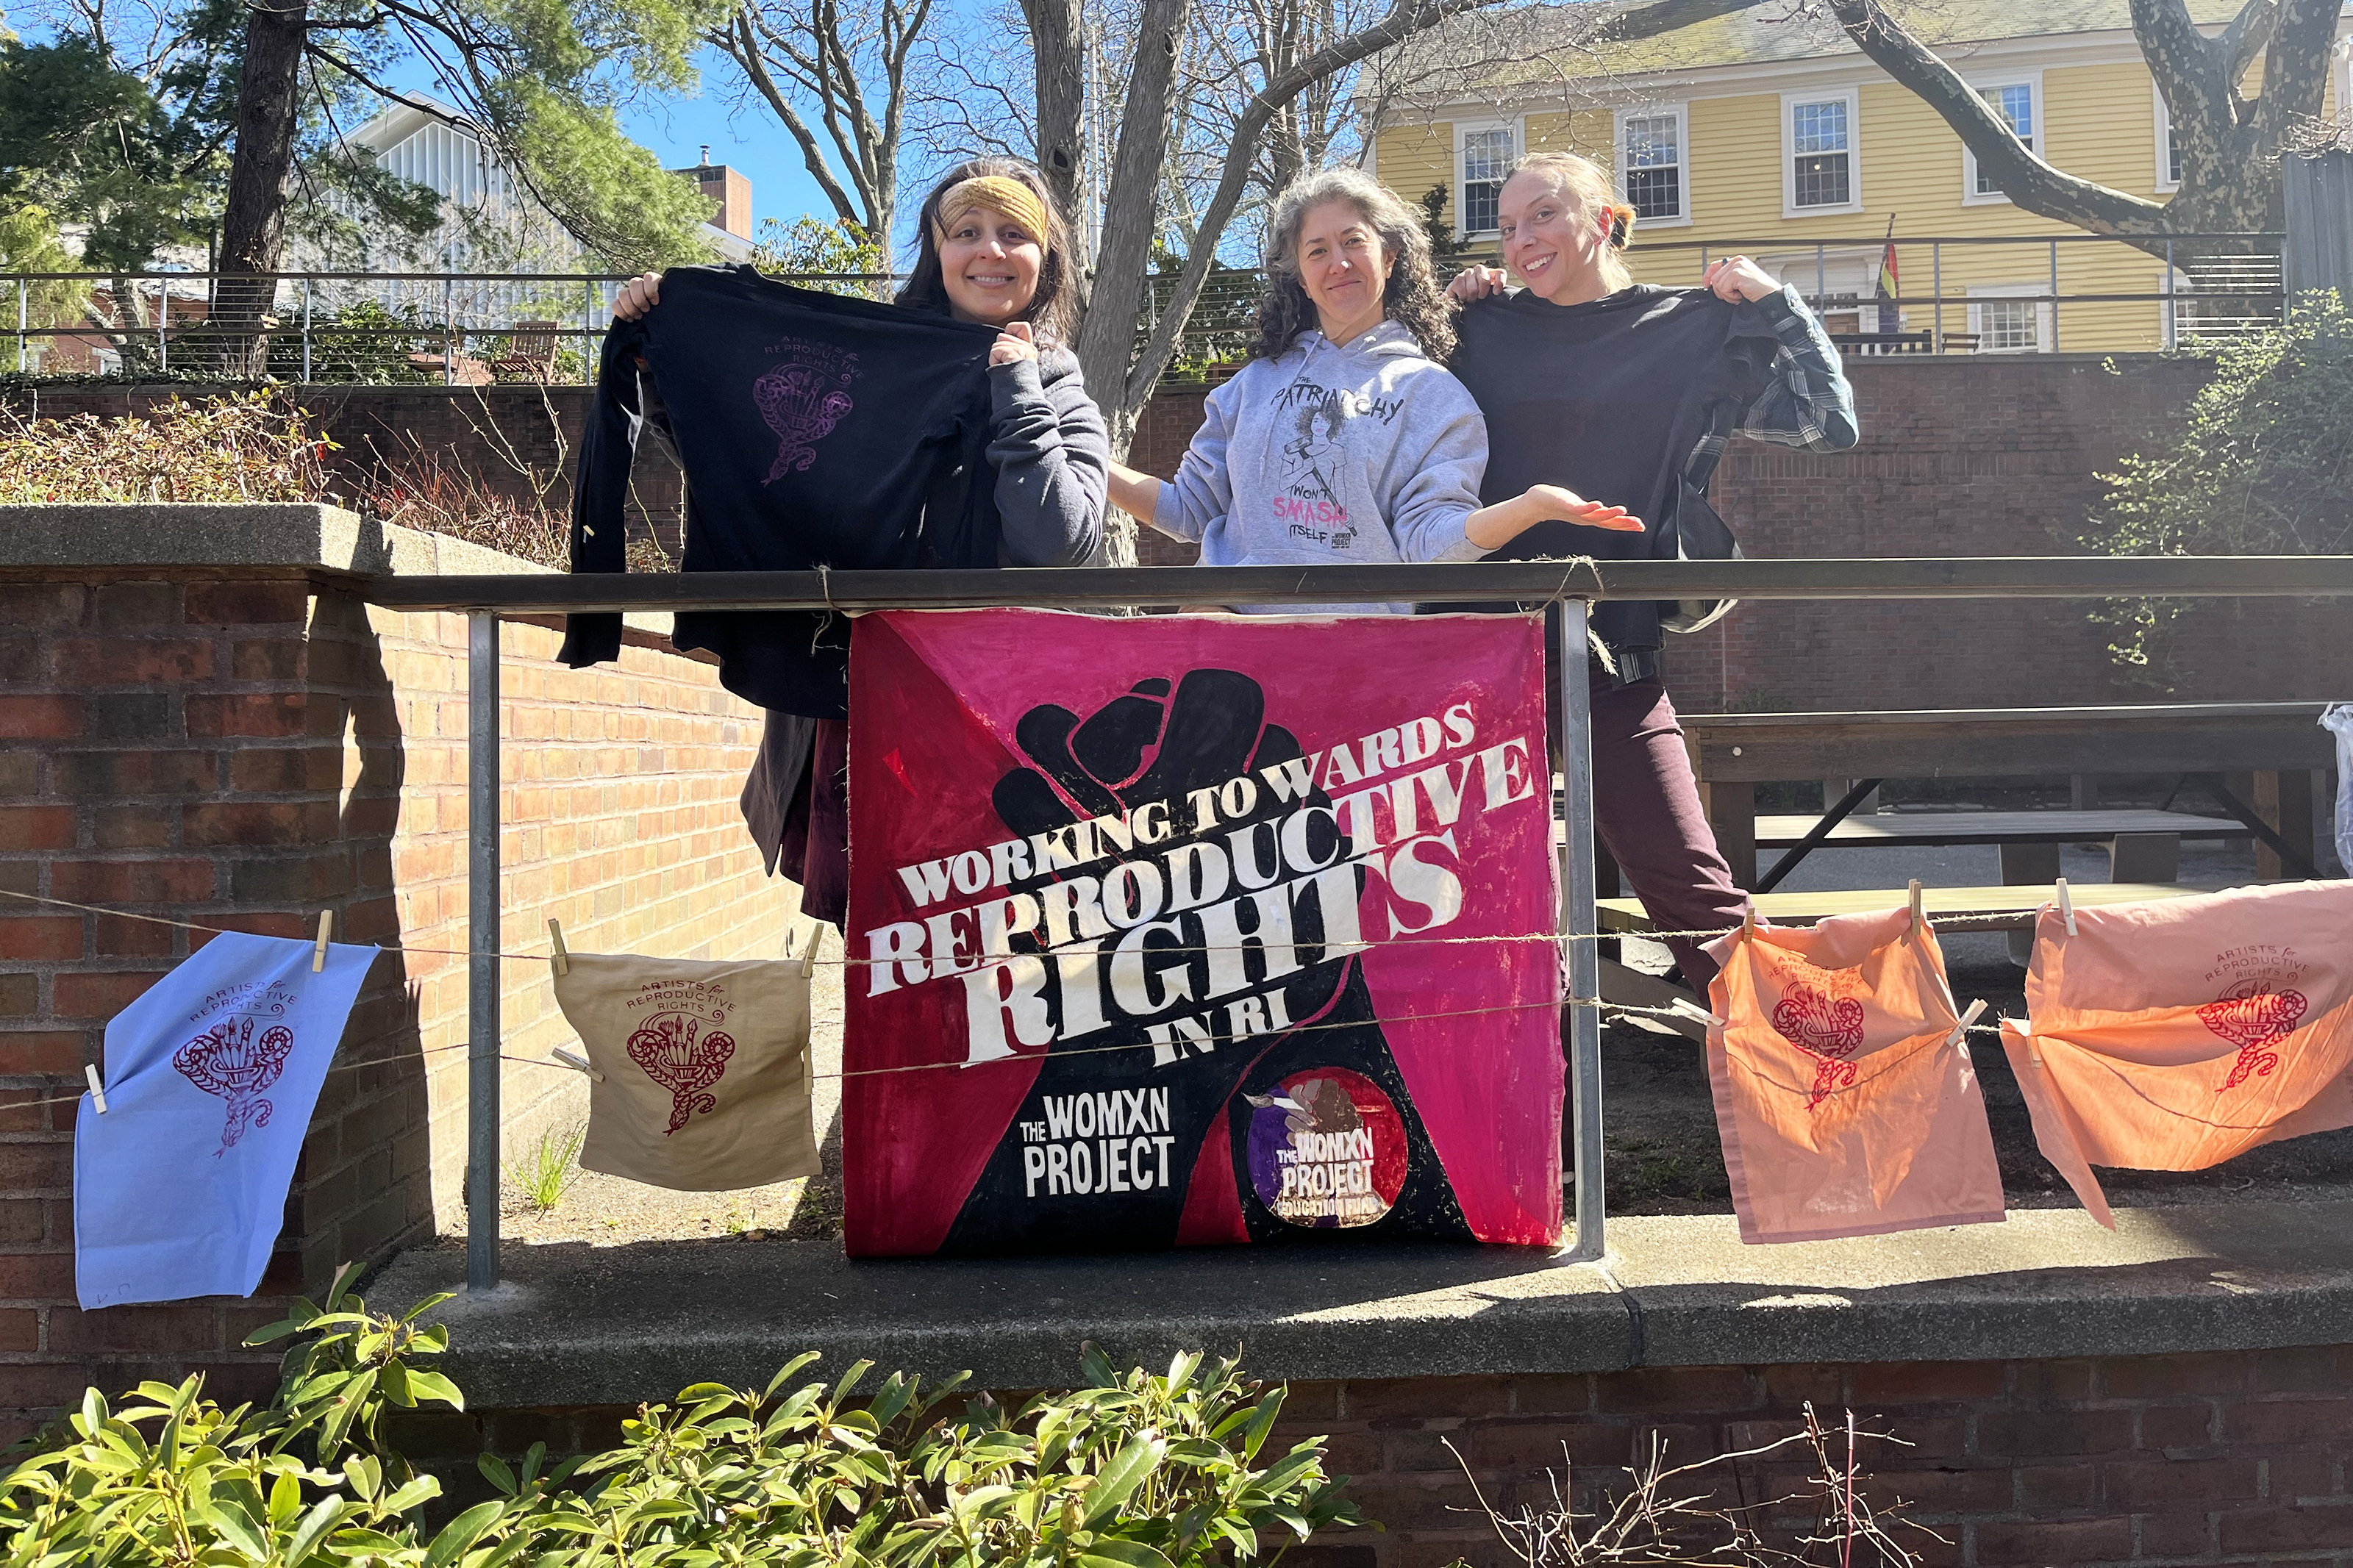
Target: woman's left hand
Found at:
1016, 341
1735, 279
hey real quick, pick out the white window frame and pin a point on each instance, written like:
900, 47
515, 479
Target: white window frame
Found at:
2032, 82
1789, 102
2166, 182
1979, 293
1463, 130
1682, 115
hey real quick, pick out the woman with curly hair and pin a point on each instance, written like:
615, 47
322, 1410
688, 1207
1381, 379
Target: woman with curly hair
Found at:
1344, 440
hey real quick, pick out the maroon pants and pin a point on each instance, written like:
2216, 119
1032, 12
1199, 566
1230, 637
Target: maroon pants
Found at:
1647, 806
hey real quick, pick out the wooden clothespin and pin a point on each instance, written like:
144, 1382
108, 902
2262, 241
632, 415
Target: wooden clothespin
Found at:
2066, 907
1961, 1030
1919, 908
319, 948
556, 955
97, 1090
808, 954
1748, 923
577, 1064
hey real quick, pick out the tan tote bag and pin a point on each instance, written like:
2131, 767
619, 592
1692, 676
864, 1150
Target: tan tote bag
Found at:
702, 1070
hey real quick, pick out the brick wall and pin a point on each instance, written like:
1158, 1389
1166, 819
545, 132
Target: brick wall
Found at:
1962, 455
2230, 1458
242, 754
2236, 1458
1991, 454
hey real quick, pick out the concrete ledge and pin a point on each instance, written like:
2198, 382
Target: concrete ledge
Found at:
581, 1325
305, 537
296, 535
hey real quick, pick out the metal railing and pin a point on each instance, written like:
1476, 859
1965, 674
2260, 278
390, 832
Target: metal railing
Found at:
1572, 585
402, 327
473, 327
2202, 272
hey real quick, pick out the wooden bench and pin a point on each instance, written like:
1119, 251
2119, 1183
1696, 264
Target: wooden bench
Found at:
2143, 846
2266, 754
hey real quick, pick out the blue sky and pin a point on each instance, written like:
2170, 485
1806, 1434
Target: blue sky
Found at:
749, 139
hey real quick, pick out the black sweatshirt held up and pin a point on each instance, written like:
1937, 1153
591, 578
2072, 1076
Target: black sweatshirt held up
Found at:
813, 429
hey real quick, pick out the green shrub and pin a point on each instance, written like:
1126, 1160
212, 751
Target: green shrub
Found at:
2262, 466
1128, 1471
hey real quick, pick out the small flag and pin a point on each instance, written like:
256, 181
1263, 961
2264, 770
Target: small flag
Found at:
1890, 317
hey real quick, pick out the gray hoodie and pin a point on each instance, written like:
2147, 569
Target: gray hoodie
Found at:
1053, 461
1325, 455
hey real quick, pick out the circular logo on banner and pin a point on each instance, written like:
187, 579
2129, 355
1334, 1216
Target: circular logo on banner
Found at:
1326, 1148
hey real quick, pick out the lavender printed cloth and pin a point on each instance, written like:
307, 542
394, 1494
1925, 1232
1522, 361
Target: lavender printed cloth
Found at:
211, 1076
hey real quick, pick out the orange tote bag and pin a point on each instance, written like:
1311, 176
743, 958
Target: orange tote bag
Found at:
1843, 1088
2172, 1037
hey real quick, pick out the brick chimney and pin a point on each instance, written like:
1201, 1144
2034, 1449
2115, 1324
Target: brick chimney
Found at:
727, 190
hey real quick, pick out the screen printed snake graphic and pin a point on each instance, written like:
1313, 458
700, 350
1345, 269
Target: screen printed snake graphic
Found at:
802, 400
230, 1061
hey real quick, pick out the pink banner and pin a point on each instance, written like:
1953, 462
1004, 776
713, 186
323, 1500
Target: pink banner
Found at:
1189, 930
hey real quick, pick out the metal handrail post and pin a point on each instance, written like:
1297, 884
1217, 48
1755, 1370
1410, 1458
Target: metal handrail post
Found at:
2172, 307
2055, 296
1582, 925
483, 947
1936, 289
306, 330
21, 322
163, 316
449, 332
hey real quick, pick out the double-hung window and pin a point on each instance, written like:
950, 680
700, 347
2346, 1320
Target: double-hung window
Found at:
1820, 162
1487, 155
2007, 318
2013, 103
1650, 164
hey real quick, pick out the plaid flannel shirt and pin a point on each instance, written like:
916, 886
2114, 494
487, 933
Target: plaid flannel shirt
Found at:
1807, 403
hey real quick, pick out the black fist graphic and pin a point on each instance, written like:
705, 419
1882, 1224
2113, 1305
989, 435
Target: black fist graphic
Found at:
1213, 1067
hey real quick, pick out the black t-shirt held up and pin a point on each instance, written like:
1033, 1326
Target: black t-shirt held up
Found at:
1612, 399
813, 429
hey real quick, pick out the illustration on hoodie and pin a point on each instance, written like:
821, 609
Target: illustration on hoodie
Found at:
1327, 454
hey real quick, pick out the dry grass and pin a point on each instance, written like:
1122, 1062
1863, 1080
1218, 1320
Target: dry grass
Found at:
1668, 1515
248, 447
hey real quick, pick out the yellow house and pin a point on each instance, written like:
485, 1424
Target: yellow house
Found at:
1756, 131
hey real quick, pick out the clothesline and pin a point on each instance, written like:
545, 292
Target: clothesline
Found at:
1615, 1009
542, 955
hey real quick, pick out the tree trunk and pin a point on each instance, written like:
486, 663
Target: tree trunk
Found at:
1059, 44
253, 223
1131, 216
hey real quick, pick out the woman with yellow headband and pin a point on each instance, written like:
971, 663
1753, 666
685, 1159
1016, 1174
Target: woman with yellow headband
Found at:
994, 250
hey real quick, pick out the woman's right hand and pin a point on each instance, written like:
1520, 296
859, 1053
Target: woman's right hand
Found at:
1477, 283
1553, 502
637, 296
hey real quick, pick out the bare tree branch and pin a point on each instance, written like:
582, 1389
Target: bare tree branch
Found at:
2248, 34
1404, 20
2029, 182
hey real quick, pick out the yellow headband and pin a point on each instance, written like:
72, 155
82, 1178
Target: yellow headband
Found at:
999, 194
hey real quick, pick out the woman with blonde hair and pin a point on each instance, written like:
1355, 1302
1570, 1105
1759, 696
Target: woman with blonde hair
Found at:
1627, 392
1345, 440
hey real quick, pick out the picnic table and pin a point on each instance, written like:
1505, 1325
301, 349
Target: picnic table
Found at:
2256, 761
